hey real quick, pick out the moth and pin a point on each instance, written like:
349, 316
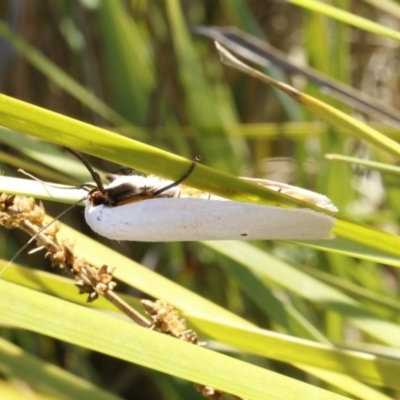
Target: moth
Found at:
153, 209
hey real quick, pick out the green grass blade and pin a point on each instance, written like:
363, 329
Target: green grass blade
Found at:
202, 99
362, 366
323, 110
269, 269
127, 55
348, 18
374, 165
134, 344
89, 139
60, 78
45, 377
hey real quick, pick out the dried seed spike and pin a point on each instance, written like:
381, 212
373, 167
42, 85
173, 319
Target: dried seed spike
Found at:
92, 280
62, 254
166, 320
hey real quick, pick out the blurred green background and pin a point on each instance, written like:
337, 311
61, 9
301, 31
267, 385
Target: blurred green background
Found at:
136, 68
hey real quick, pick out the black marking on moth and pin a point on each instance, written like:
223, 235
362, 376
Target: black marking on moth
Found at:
126, 192
112, 176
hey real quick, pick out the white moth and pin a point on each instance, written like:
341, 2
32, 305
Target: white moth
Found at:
151, 209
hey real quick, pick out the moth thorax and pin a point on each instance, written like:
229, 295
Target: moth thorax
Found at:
98, 198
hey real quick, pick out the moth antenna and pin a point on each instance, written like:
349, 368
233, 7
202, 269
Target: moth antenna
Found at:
181, 179
93, 173
38, 233
21, 171
55, 219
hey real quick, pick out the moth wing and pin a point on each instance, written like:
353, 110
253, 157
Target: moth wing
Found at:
308, 196
194, 219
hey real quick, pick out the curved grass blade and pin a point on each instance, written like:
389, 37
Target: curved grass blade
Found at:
318, 107
92, 140
261, 53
